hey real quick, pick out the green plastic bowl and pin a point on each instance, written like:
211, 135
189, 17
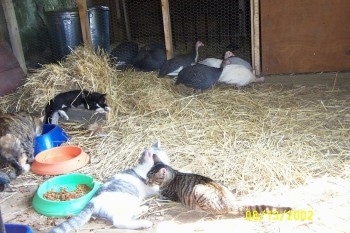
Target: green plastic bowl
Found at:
63, 208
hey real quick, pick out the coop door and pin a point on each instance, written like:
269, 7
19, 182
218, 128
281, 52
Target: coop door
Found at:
305, 36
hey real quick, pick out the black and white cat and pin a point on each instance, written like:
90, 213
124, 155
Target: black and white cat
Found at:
63, 101
119, 199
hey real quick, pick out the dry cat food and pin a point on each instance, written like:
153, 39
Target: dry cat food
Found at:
65, 195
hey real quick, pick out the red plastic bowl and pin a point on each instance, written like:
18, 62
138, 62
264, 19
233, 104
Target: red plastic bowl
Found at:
59, 160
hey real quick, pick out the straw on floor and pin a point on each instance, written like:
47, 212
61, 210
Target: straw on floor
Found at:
253, 139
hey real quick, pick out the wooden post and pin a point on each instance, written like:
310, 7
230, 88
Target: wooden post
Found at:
15, 38
126, 19
84, 22
167, 29
255, 37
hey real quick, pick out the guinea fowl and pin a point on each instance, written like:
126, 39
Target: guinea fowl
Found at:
213, 62
199, 76
125, 53
150, 57
237, 60
173, 66
237, 74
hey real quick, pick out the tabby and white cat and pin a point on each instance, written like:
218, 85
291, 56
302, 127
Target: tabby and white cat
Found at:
199, 192
65, 100
17, 134
120, 197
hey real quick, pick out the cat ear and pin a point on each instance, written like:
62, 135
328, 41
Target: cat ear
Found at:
147, 154
156, 144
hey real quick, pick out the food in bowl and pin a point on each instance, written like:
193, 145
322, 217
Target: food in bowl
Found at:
65, 195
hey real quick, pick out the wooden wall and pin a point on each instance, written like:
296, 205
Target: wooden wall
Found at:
305, 36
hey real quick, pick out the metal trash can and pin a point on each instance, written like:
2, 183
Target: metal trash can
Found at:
64, 32
99, 27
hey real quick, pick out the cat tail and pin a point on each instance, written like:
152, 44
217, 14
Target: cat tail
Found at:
75, 221
252, 210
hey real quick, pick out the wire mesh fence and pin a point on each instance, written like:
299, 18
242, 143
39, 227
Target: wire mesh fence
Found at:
220, 25
50, 28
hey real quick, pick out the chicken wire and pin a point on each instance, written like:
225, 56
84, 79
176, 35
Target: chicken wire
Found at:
220, 25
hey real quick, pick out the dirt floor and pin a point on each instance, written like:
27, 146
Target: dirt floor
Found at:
321, 214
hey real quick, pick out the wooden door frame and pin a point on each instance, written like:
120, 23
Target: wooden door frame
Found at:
255, 35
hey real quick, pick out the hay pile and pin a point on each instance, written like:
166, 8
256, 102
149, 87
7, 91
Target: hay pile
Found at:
251, 140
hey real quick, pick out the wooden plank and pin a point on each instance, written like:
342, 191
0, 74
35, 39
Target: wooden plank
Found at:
301, 38
84, 22
126, 18
15, 38
255, 36
167, 29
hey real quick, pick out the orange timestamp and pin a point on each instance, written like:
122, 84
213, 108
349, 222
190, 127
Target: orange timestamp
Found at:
274, 215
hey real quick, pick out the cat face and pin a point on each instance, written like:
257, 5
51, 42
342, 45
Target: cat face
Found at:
157, 175
97, 101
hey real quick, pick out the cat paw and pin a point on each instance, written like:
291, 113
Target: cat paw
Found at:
26, 168
107, 109
63, 114
100, 110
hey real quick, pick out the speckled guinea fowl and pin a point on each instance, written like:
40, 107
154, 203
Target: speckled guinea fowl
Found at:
150, 57
173, 66
199, 76
125, 52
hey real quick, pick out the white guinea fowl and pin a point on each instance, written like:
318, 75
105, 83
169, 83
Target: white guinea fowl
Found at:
237, 60
173, 66
237, 74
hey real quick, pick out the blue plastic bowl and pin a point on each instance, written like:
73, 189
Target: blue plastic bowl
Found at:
17, 228
52, 136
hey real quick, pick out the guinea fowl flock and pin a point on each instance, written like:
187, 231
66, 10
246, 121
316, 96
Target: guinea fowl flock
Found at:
185, 68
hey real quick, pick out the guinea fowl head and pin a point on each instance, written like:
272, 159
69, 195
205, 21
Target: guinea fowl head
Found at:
199, 44
229, 54
195, 50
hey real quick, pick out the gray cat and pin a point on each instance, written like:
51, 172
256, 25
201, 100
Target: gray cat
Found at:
17, 134
120, 197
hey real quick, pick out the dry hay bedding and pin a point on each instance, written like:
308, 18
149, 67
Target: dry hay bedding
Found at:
251, 140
